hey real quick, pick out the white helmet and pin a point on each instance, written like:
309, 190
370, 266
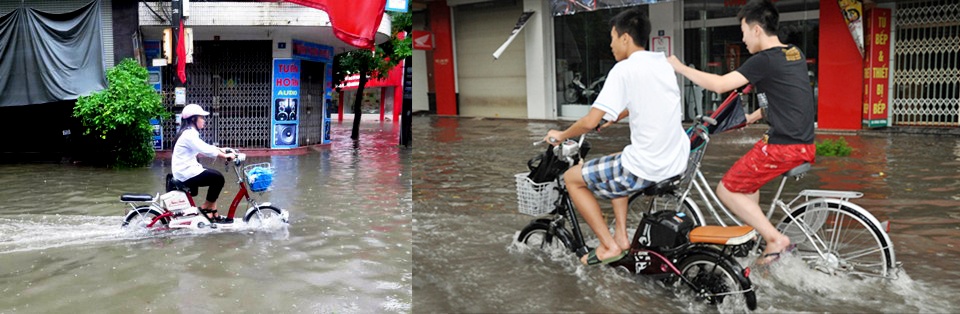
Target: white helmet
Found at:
192, 110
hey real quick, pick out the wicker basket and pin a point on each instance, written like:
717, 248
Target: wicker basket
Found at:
535, 199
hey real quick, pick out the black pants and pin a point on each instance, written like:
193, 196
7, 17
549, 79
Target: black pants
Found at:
210, 178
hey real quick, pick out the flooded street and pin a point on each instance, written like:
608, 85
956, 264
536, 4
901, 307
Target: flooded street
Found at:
466, 221
347, 248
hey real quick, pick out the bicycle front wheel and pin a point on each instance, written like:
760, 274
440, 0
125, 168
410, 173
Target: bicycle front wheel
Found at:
537, 235
838, 239
262, 216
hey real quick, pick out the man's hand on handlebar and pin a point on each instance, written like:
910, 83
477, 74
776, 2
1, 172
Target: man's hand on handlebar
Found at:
554, 137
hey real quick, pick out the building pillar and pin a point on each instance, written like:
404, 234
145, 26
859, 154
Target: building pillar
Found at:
443, 58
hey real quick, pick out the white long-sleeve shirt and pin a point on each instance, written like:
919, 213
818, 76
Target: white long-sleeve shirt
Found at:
185, 151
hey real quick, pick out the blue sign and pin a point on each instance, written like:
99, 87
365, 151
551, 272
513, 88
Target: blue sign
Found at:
397, 5
157, 134
285, 103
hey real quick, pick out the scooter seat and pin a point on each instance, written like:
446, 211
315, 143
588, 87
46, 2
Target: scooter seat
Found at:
136, 197
722, 235
663, 187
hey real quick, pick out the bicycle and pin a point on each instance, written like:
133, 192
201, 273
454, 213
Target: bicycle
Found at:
176, 208
831, 234
665, 244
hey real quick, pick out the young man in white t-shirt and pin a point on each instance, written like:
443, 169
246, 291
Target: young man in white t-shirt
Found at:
643, 86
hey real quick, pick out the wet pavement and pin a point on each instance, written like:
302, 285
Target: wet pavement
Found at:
465, 222
347, 248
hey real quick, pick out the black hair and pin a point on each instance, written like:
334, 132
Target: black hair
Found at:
761, 12
635, 23
185, 124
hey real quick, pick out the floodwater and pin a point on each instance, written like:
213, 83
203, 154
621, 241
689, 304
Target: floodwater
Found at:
465, 222
347, 248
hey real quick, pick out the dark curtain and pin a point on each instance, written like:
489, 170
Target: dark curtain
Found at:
46, 57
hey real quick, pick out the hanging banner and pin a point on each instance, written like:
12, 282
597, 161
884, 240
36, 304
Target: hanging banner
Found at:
513, 34
853, 14
876, 72
285, 104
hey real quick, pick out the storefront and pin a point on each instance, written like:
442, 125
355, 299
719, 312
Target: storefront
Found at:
263, 70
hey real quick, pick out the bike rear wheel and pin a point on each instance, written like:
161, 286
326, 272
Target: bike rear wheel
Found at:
715, 278
141, 217
262, 216
842, 239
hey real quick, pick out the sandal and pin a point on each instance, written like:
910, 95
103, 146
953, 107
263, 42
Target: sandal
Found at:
770, 258
216, 218
206, 211
593, 260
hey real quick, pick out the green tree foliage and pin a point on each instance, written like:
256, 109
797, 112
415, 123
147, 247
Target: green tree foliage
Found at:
375, 63
839, 147
118, 118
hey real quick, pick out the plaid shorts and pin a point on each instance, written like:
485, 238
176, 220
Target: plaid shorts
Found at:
606, 177
763, 163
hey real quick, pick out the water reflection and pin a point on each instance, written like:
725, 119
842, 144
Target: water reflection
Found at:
466, 219
347, 248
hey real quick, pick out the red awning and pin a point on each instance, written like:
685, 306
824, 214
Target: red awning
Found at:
355, 22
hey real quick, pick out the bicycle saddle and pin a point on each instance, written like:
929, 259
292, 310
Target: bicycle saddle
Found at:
798, 170
663, 187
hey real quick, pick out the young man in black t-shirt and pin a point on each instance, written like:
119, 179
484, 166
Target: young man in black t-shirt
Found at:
779, 74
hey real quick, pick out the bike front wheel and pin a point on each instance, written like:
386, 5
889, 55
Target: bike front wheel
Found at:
716, 278
537, 235
838, 239
141, 218
262, 216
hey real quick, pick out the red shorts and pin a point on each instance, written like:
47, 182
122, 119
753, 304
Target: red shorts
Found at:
763, 163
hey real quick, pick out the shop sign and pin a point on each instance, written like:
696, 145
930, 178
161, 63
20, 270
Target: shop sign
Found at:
422, 40
876, 72
285, 103
312, 51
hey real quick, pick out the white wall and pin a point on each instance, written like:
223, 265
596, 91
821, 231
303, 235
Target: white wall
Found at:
540, 60
420, 100
490, 88
419, 67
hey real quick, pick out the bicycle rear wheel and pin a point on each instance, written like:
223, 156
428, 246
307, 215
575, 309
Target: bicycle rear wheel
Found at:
842, 239
139, 219
715, 277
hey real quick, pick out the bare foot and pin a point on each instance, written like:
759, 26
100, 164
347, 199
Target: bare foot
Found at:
622, 241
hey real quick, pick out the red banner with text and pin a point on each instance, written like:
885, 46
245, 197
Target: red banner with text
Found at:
876, 70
